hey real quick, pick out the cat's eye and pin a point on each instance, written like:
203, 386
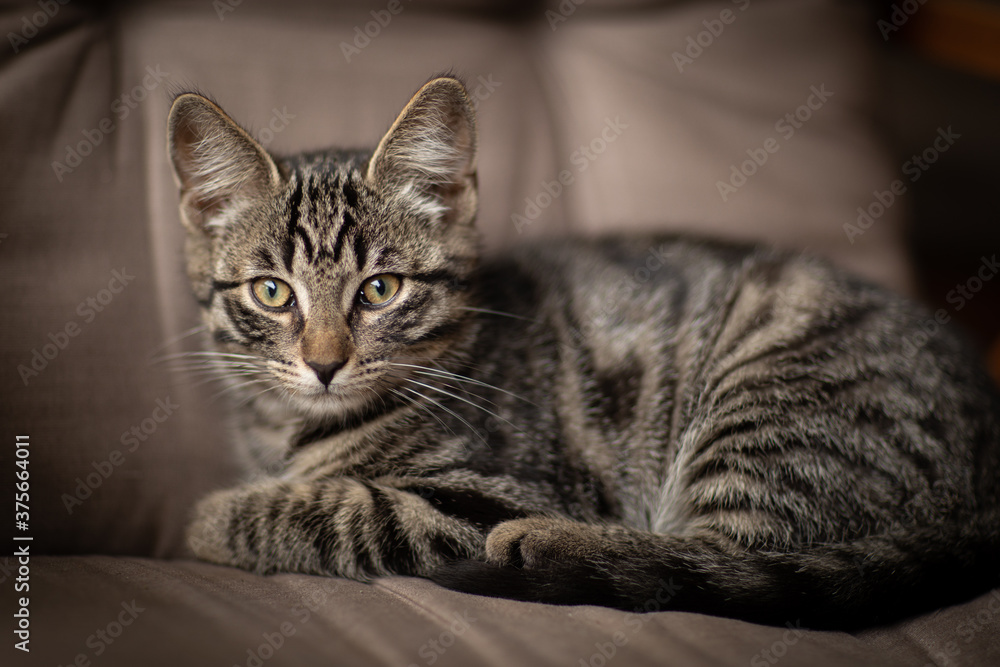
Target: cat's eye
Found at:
379, 290
272, 292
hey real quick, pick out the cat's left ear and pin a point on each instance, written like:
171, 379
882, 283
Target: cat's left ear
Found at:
216, 162
429, 153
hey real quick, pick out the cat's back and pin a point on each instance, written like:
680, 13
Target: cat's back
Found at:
674, 280
653, 345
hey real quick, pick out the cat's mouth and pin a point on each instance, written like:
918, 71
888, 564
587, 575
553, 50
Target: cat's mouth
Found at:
342, 397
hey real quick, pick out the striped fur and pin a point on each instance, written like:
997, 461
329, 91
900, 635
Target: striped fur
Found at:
573, 422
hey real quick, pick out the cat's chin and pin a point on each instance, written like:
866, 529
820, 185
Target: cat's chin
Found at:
328, 405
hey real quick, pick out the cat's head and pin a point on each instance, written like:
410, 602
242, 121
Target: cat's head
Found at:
321, 274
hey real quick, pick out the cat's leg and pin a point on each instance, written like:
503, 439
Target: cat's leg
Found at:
874, 579
336, 526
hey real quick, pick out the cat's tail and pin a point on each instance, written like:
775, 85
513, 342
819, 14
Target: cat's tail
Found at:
869, 581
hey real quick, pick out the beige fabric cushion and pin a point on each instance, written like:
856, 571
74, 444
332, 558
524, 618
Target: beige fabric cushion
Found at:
192, 613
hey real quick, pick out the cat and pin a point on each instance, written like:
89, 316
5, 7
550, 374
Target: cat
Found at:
575, 421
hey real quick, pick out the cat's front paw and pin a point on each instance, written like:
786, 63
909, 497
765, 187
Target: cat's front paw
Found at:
533, 542
208, 533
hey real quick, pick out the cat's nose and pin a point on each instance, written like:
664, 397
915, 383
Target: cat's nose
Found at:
325, 372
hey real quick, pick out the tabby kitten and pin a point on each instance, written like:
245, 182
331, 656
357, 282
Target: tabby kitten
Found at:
571, 422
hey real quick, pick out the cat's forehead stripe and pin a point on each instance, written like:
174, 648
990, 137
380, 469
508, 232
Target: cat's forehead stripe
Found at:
264, 259
349, 225
307, 245
316, 189
350, 193
360, 250
294, 202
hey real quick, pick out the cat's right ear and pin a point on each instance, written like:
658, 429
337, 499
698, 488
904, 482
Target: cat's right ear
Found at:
216, 162
429, 153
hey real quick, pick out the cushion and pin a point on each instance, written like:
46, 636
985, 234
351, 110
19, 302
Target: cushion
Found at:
134, 611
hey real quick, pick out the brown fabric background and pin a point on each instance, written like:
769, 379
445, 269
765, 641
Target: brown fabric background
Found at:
63, 239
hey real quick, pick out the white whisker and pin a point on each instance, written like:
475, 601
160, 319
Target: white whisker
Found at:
238, 386
179, 337
448, 410
464, 400
423, 407
498, 312
423, 370
258, 395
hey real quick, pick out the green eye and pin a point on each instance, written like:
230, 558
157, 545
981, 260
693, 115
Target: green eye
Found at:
272, 292
379, 290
